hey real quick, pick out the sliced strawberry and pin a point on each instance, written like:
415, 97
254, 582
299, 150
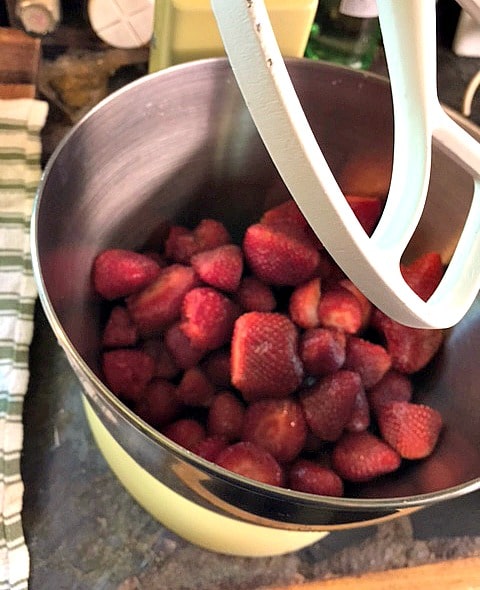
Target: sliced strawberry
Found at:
362, 456
217, 368
118, 273
279, 258
371, 361
127, 372
329, 404
182, 244
186, 432
310, 477
248, 460
159, 305
303, 304
276, 425
265, 361
341, 310
288, 215
360, 418
365, 304
225, 416
159, 405
220, 267
411, 429
424, 274
180, 348
119, 331
367, 210
322, 351
411, 349
254, 295
210, 447
394, 386
208, 318
195, 389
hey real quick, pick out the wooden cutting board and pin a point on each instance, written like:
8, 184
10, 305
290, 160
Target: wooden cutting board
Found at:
458, 574
19, 62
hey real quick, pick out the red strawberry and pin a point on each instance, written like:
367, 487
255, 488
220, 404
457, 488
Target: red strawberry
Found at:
186, 432
393, 386
360, 418
367, 210
119, 331
279, 258
310, 477
244, 458
221, 267
127, 372
225, 416
217, 368
210, 447
182, 244
329, 404
159, 305
411, 349
424, 274
265, 362
362, 456
165, 366
341, 310
303, 304
194, 388
180, 348
287, 215
179, 244
371, 361
365, 304
253, 295
276, 425
158, 406
210, 233
207, 318
322, 351
119, 273
411, 429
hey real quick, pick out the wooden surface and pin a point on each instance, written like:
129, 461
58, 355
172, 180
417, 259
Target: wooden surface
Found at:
19, 62
459, 574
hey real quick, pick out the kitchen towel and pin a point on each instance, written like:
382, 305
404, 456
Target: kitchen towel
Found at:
21, 121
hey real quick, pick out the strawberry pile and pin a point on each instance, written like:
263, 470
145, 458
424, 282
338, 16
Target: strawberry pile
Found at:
263, 357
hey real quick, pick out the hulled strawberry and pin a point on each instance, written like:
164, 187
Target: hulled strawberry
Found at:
254, 295
248, 460
322, 351
424, 274
303, 304
225, 416
220, 267
340, 309
308, 476
127, 372
371, 361
181, 243
367, 210
119, 331
393, 386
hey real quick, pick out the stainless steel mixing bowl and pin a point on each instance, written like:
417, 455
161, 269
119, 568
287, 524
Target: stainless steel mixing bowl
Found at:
180, 145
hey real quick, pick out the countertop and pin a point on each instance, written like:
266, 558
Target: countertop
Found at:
84, 532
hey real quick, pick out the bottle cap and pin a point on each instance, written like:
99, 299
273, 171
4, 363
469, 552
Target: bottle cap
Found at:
37, 17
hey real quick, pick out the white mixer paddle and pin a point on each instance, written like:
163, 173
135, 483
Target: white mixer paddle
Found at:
373, 263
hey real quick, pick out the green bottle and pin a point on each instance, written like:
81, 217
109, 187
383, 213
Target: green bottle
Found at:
346, 32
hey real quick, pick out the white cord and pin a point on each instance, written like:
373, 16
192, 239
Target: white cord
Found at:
469, 94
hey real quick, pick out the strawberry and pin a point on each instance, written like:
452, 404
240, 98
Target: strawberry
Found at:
210, 447
365, 304
276, 425
220, 267
182, 244
424, 274
322, 351
165, 366
311, 477
194, 388
217, 368
340, 309
158, 406
248, 460
264, 357
411, 349
186, 432
179, 244
225, 416
159, 305
207, 318
360, 418
411, 429
371, 361
254, 295
180, 348
367, 210
127, 372
362, 456
118, 273
328, 405
393, 386
119, 331
277, 257
303, 304
287, 215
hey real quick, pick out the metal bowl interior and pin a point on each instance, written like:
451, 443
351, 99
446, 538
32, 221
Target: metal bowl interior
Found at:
179, 145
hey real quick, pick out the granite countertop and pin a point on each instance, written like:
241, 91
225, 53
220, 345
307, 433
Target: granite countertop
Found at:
84, 532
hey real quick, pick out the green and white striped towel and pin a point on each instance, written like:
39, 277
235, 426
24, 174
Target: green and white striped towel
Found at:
21, 121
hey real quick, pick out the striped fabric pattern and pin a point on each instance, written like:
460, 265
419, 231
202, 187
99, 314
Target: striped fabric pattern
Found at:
21, 121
